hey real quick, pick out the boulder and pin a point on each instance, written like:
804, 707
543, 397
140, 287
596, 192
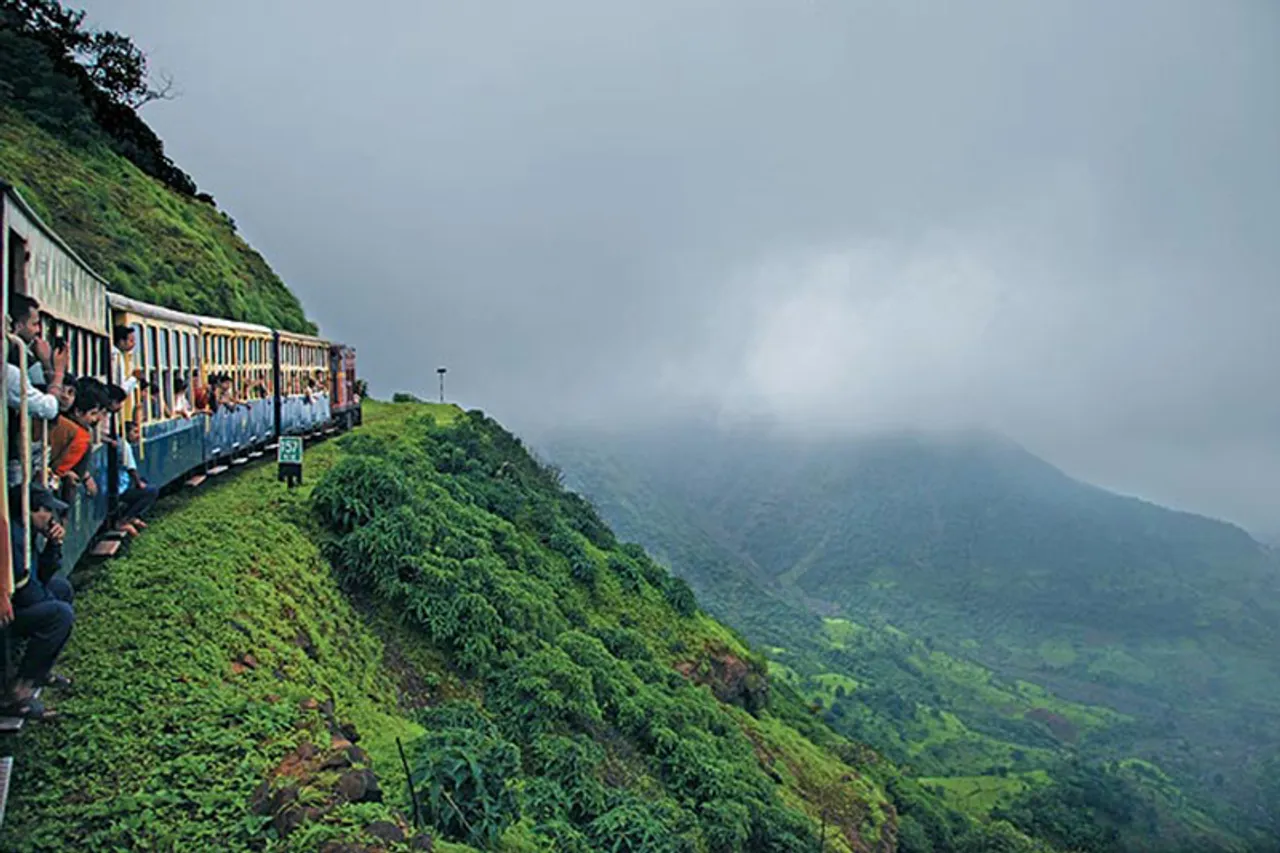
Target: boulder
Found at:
385, 830
360, 786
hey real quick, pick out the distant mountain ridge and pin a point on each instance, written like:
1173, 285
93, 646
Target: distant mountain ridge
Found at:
972, 542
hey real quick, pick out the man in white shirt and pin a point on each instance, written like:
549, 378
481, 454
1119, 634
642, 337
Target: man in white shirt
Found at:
28, 325
49, 364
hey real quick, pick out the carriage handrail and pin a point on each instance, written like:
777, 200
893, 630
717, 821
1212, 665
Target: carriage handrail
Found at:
24, 443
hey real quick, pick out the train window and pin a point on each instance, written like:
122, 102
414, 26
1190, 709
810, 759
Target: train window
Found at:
75, 342
153, 372
167, 374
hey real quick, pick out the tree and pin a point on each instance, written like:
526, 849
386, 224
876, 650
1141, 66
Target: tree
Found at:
119, 69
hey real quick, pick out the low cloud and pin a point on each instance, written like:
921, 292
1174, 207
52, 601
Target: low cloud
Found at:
1055, 219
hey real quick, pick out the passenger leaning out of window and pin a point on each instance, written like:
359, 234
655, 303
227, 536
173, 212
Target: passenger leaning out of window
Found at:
182, 407
43, 383
71, 438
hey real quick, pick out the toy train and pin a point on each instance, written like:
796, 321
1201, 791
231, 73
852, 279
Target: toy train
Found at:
285, 383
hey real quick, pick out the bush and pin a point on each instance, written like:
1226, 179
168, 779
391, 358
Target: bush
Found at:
465, 777
680, 596
356, 489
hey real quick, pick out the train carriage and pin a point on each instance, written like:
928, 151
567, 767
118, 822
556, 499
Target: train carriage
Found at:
168, 349
344, 402
281, 382
244, 352
302, 365
73, 307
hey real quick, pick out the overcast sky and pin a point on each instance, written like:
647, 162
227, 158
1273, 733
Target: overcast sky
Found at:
1060, 220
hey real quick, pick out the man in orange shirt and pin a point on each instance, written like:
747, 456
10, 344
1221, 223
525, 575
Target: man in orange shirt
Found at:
71, 437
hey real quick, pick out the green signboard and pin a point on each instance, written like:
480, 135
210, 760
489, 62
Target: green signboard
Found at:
289, 460
290, 450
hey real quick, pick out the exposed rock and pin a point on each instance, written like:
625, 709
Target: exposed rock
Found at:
309, 704
733, 680
260, 802
348, 730
339, 743
341, 847
385, 830
303, 641
282, 798
357, 755
307, 750
249, 660
336, 761
360, 786
288, 820
422, 841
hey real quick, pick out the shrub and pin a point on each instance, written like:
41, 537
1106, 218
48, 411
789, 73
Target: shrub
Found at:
680, 596
356, 489
465, 777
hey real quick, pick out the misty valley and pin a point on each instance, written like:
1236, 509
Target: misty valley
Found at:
1100, 671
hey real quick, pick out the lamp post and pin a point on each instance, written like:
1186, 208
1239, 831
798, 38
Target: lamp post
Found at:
441, 371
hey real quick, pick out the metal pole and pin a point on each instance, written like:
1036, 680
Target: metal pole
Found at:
441, 371
413, 794
24, 445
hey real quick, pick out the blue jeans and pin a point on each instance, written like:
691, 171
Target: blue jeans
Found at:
137, 502
42, 613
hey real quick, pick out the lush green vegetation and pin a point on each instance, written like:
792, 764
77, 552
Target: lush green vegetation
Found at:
1016, 587
194, 657
147, 239
554, 689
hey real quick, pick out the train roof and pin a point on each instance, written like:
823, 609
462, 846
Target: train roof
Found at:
146, 309
9, 190
238, 325
298, 336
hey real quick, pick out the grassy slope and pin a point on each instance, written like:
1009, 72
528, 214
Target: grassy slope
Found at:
167, 733
164, 741
147, 241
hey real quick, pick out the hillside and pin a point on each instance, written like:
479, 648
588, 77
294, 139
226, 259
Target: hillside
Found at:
553, 688
1164, 622
147, 239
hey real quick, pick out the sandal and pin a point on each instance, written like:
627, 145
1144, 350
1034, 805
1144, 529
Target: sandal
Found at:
57, 681
30, 708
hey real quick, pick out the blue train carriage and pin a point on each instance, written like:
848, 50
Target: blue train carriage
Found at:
244, 352
167, 350
344, 397
73, 307
302, 364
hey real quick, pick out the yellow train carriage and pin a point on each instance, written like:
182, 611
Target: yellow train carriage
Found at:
167, 349
241, 351
304, 382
